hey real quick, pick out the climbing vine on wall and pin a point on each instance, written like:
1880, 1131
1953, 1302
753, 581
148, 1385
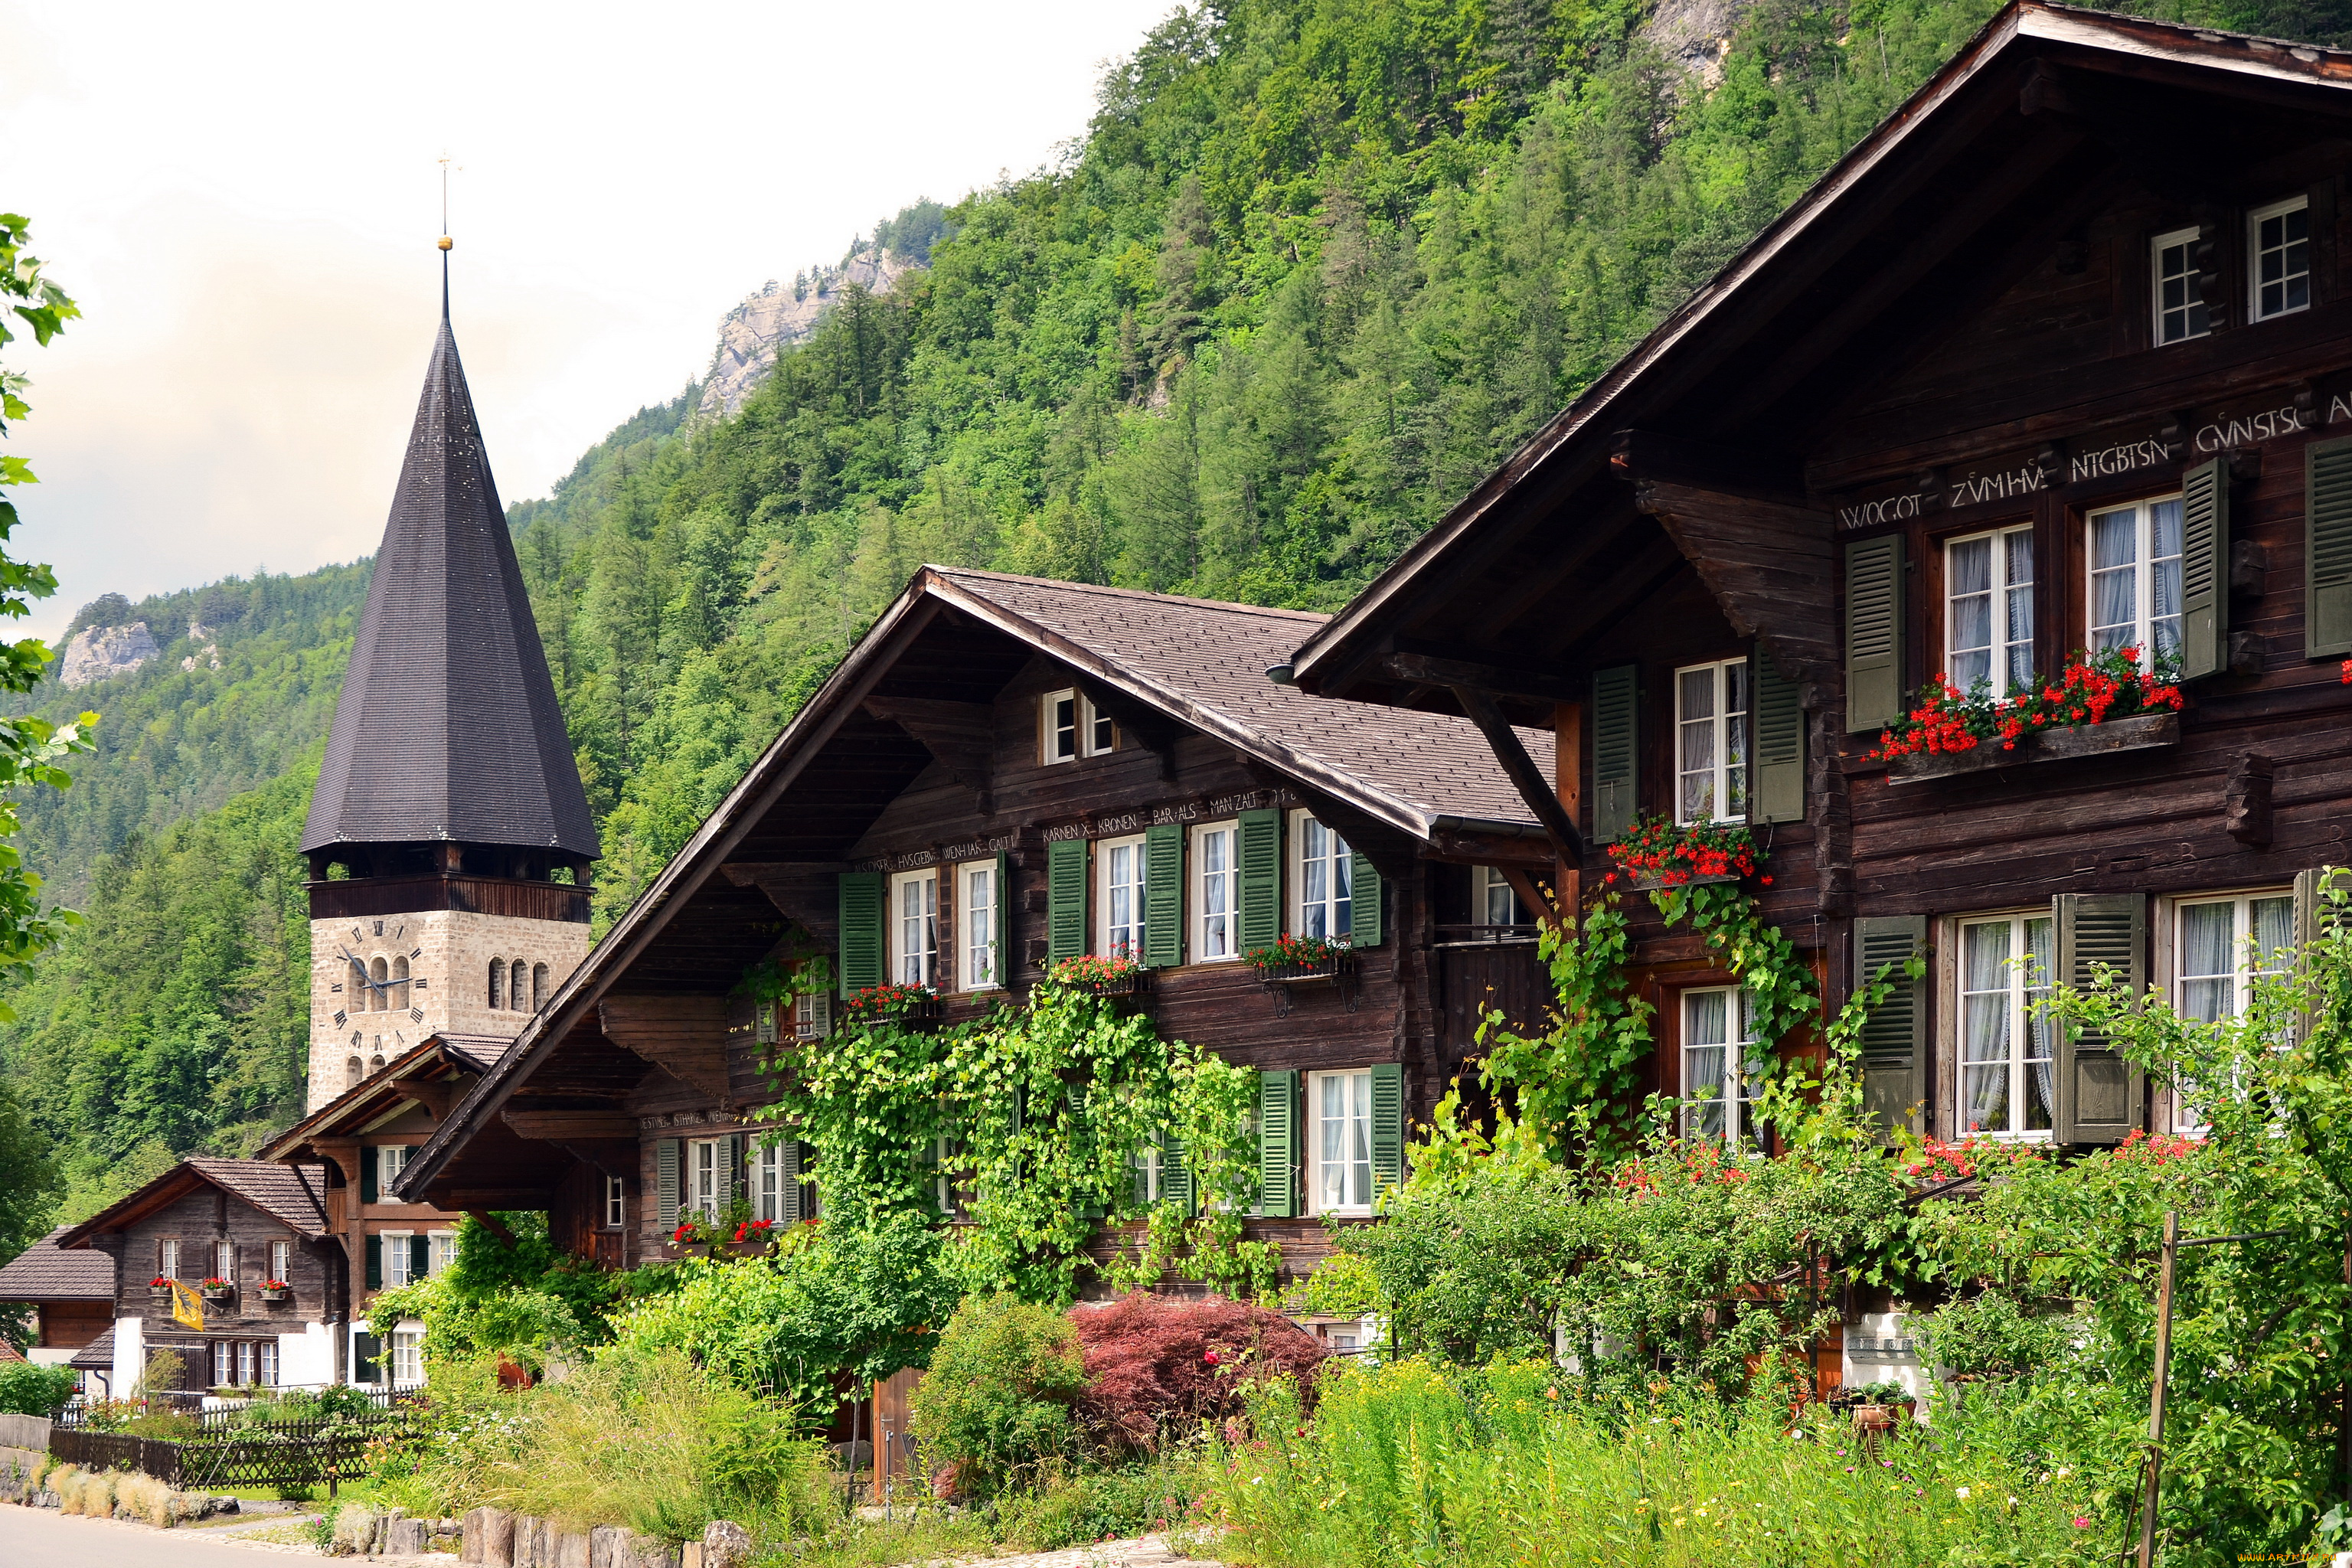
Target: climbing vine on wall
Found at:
1029, 1118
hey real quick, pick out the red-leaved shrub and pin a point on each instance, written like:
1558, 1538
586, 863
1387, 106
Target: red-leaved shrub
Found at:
1160, 1364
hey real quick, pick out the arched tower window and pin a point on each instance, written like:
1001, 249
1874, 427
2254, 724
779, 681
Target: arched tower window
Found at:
377, 973
375, 1065
519, 986
498, 984
352, 1073
538, 987
399, 993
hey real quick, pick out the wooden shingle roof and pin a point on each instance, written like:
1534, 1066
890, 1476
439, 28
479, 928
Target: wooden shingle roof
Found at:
46, 1271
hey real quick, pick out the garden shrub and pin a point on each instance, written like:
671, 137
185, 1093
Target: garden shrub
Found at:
144, 1498
997, 1401
1073, 1505
29, 1390
1159, 1365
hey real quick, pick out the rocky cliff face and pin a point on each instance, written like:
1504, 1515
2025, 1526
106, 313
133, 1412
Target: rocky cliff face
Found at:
781, 313
1697, 34
101, 652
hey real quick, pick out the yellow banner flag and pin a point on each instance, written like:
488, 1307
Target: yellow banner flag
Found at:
187, 1307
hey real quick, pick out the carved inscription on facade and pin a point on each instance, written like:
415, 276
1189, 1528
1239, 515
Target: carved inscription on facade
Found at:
2123, 458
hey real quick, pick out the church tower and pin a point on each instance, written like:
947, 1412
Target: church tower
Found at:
449, 838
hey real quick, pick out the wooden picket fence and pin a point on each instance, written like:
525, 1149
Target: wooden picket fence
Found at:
298, 1453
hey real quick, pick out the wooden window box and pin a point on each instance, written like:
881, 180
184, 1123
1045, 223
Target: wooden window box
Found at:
1278, 979
2142, 733
220, 1292
1136, 984
1651, 881
277, 1295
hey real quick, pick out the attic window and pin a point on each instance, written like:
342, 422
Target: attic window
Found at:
2278, 258
1058, 726
2179, 307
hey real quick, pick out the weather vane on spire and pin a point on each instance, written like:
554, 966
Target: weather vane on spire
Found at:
445, 242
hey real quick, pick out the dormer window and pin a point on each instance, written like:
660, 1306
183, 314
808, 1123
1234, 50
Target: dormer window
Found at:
2278, 258
1069, 727
2179, 306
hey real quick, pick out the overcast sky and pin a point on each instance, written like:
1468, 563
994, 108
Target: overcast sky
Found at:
243, 199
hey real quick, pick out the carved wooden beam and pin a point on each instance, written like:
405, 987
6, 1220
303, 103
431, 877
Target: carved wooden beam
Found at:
686, 1036
1769, 565
1462, 847
1521, 770
1428, 669
960, 736
564, 1126
436, 1095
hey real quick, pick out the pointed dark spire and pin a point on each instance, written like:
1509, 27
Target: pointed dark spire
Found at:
447, 729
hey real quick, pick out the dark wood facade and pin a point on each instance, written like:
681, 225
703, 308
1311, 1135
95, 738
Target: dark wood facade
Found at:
1959, 334
935, 762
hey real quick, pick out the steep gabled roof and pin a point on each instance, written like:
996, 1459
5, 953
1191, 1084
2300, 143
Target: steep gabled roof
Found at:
1199, 662
1865, 268
295, 1195
98, 1355
448, 728
46, 1271
433, 1057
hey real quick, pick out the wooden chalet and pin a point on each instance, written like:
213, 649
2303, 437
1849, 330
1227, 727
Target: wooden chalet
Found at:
2058, 358
70, 1292
253, 1226
1004, 772
355, 1148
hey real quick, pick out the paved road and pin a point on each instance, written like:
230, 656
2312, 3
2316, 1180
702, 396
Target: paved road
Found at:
43, 1538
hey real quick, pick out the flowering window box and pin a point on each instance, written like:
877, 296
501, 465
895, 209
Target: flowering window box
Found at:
1295, 961
1656, 852
160, 1288
1330, 968
2141, 733
1116, 977
218, 1289
275, 1290
902, 1004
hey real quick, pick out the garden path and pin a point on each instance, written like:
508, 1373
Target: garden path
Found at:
1144, 1551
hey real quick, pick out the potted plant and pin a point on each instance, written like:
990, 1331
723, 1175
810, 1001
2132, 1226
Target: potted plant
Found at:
275, 1290
160, 1288
1881, 1406
216, 1289
1120, 975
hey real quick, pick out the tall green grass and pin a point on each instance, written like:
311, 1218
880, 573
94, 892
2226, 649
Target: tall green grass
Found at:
1508, 1467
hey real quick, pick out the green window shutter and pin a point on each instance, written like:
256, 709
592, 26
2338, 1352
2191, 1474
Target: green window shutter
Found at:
1874, 633
367, 1173
1260, 861
375, 1263
862, 899
1066, 899
367, 1358
2327, 548
1003, 919
1894, 1037
789, 1207
2099, 1089
738, 1170
1779, 795
2205, 568
1163, 895
1277, 1143
2314, 915
420, 1256
1365, 903
1176, 1175
665, 1183
1388, 1125
1616, 751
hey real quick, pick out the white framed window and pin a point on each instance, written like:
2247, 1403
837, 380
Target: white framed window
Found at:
269, 1349
391, 1159
1118, 863
943, 1174
169, 1266
1498, 903
774, 1173
245, 1370
224, 1362
443, 1254
616, 1204
1057, 727
1711, 741
2009, 1064
1217, 893
2278, 258
1341, 1141
1989, 610
811, 1015
709, 1182
2221, 946
1323, 870
404, 1350
398, 1255
1720, 1082
224, 1261
2179, 306
281, 1259
2135, 578
915, 927
1149, 1166
976, 916
1101, 730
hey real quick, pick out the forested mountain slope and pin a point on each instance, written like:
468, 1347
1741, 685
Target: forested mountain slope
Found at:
1314, 267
